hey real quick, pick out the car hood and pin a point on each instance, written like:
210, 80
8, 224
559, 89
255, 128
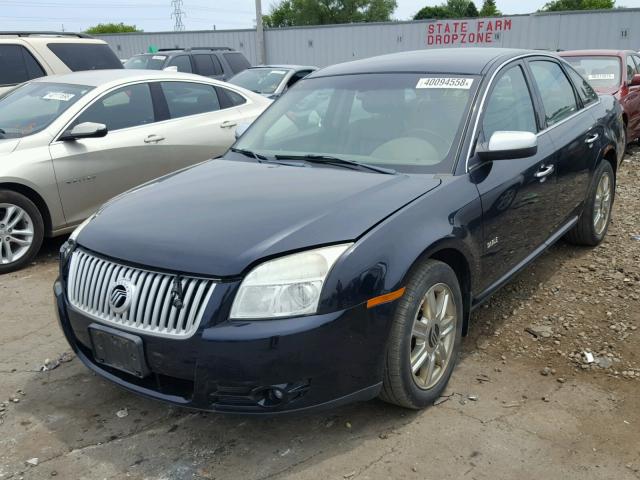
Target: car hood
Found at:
8, 145
222, 216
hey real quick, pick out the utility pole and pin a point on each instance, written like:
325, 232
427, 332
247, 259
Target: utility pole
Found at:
260, 34
177, 14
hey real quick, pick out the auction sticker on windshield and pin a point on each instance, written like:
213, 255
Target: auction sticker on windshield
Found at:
445, 82
59, 96
601, 76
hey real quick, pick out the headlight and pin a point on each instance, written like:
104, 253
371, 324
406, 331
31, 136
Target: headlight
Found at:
286, 286
76, 232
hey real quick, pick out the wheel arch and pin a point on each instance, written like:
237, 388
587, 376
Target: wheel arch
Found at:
461, 262
35, 197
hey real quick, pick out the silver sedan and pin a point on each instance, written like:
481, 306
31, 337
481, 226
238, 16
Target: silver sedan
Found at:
69, 143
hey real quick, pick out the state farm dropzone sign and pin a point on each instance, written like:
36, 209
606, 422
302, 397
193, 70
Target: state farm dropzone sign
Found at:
466, 32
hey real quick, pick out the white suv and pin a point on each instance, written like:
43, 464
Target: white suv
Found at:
28, 55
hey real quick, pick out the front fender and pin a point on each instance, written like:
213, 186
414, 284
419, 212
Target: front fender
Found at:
449, 217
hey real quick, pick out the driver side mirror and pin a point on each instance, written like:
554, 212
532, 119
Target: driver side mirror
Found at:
506, 145
172, 68
635, 81
85, 130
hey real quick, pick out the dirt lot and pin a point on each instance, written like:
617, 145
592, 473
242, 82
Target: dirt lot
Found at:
523, 403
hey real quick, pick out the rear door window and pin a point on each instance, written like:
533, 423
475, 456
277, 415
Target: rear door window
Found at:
510, 106
236, 61
17, 65
86, 56
125, 107
187, 98
556, 92
182, 62
204, 65
217, 66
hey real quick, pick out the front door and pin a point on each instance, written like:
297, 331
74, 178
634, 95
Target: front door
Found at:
516, 194
93, 170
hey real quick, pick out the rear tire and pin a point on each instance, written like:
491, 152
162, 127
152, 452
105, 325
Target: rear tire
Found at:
21, 231
424, 341
594, 220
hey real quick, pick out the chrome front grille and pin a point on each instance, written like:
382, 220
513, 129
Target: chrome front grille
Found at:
148, 301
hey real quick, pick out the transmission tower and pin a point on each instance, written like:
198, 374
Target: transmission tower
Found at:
177, 14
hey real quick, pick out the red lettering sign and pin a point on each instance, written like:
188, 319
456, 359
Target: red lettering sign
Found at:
459, 32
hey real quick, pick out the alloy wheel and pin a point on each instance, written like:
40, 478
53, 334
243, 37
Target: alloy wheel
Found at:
602, 207
433, 336
16, 233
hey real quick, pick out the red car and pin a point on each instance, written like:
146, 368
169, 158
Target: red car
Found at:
614, 72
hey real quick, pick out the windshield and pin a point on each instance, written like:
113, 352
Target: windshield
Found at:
602, 72
407, 122
260, 80
146, 62
32, 107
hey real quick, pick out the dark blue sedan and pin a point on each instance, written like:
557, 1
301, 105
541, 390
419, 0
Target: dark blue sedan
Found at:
336, 252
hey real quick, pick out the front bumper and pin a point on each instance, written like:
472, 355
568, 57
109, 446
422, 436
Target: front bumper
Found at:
314, 362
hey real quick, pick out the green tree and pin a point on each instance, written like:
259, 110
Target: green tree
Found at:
290, 13
471, 11
489, 9
450, 9
559, 5
432, 12
112, 28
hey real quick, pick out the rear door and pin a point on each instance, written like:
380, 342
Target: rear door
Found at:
91, 171
202, 123
572, 129
516, 194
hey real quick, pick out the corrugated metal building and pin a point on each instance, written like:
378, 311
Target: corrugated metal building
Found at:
325, 45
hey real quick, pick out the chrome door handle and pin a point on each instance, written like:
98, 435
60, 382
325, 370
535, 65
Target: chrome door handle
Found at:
228, 124
153, 139
544, 171
592, 138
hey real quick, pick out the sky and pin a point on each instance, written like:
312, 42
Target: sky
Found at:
155, 15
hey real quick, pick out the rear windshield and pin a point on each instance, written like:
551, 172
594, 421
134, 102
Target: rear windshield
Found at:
146, 62
236, 61
260, 80
600, 71
85, 56
32, 107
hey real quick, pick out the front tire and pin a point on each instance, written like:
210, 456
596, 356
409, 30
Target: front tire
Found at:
425, 337
21, 231
594, 220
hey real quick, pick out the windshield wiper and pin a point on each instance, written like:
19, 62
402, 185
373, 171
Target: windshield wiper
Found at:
249, 153
329, 160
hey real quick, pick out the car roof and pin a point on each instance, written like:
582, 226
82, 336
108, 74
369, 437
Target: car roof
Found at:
97, 78
594, 52
465, 61
288, 67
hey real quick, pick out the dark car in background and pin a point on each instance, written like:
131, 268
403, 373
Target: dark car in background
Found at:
615, 72
336, 256
271, 80
220, 63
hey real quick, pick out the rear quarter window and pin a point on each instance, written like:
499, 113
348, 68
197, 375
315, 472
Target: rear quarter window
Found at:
236, 61
85, 56
17, 65
229, 98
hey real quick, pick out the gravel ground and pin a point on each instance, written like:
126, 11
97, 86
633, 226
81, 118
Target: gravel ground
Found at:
527, 401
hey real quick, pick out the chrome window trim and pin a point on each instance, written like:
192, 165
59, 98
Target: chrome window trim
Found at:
488, 89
